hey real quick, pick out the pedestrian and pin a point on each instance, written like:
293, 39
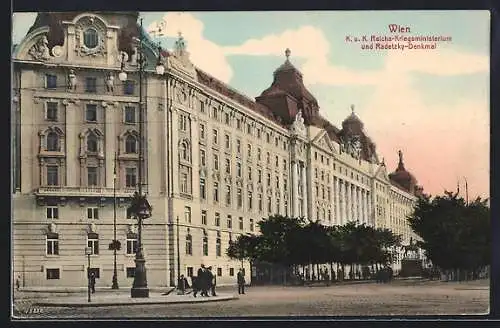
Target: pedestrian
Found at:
212, 280
241, 281
182, 285
18, 283
203, 281
195, 281
92, 282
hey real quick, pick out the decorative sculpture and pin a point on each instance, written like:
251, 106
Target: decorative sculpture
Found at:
40, 50
71, 80
110, 82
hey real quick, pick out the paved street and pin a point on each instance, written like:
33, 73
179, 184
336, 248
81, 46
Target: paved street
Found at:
396, 298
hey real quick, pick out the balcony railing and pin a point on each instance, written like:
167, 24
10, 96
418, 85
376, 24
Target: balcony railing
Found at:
83, 191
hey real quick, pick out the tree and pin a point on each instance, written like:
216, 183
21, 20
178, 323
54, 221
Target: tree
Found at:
455, 235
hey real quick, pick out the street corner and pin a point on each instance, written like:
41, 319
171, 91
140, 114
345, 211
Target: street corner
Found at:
101, 300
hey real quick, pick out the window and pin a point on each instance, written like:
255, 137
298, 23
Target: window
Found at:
276, 141
93, 243
189, 244
90, 84
229, 222
90, 38
277, 183
183, 122
216, 162
231, 272
92, 213
284, 165
52, 141
268, 137
204, 217
203, 190
238, 146
216, 192
218, 250
228, 166
259, 176
92, 143
269, 179
258, 133
184, 183
130, 177
226, 118
251, 225
260, 203
129, 114
128, 87
131, 243
184, 151
216, 136
240, 223
249, 151
238, 124
130, 272
130, 145
51, 111
203, 157
250, 200
52, 175
52, 244
259, 154
239, 198
219, 272
202, 106
91, 176
187, 214
52, 274
50, 81
214, 113
52, 212
91, 113
285, 205
268, 158
205, 246
228, 195
285, 185
202, 131
217, 219
277, 206
238, 170
249, 173
190, 271
269, 204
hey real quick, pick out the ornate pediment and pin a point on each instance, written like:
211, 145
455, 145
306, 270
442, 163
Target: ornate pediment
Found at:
322, 140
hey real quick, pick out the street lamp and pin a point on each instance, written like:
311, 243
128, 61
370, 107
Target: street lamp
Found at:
88, 252
115, 244
140, 208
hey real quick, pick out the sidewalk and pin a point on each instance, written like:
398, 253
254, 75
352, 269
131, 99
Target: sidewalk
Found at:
66, 290
118, 298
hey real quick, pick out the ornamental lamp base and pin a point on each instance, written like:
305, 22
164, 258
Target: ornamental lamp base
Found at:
139, 292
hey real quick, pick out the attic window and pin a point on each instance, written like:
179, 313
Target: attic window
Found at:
90, 38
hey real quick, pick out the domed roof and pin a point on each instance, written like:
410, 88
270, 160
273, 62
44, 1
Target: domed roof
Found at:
402, 177
352, 121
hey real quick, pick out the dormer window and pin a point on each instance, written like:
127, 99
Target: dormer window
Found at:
90, 38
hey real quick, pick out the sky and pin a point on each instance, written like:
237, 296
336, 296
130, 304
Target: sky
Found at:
432, 104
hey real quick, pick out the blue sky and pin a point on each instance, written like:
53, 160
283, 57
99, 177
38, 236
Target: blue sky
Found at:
423, 102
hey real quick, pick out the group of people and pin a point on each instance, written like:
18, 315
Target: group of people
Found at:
205, 282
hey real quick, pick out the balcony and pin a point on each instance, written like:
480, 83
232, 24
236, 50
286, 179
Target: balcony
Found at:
83, 192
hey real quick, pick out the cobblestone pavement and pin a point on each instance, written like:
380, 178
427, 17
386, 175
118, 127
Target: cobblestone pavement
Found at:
397, 298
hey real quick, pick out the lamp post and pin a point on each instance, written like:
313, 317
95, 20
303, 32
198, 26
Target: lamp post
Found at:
179, 288
140, 208
88, 251
115, 244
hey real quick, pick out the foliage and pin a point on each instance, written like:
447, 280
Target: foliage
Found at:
115, 245
455, 235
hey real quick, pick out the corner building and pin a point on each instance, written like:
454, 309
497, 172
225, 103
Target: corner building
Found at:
215, 161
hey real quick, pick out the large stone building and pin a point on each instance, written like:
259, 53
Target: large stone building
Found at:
214, 159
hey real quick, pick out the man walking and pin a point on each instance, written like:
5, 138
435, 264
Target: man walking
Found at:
203, 280
92, 282
241, 281
212, 279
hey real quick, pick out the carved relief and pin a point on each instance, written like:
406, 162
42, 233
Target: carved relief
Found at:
40, 50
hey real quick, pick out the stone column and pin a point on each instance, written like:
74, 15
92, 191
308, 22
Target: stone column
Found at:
353, 202
370, 215
110, 137
359, 199
336, 196
347, 202
295, 189
366, 207
304, 189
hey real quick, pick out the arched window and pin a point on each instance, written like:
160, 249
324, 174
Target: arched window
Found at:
92, 143
205, 245
184, 151
189, 244
130, 145
90, 38
52, 141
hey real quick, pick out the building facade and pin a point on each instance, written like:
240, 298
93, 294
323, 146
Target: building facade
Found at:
215, 161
